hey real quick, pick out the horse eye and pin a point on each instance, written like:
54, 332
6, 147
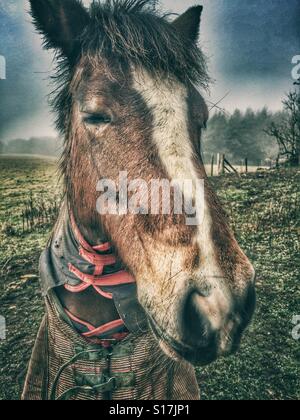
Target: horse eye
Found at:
96, 119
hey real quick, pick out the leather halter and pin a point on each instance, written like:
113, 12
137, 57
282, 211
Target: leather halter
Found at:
70, 261
99, 256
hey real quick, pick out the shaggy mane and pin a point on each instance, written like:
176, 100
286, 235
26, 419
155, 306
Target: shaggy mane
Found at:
136, 33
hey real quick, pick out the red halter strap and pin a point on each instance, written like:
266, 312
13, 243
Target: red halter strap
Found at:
93, 331
97, 280
116, 279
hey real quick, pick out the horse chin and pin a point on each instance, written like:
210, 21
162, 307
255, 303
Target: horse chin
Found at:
180, 352
198, 357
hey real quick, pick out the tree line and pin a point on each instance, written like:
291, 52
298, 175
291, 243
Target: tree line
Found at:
261, 136
47, 146
241, 135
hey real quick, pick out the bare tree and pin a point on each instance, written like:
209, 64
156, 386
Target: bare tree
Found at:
287, 132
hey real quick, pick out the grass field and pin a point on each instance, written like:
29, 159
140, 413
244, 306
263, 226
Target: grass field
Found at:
264, 210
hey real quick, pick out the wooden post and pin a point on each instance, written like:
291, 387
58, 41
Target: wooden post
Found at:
222, 164
212, 165
229, 167
218, 163
246, 165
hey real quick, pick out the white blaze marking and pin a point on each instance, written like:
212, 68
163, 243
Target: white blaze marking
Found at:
167, 100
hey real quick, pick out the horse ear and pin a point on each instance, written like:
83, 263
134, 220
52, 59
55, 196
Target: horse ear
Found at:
188, 24
60, 22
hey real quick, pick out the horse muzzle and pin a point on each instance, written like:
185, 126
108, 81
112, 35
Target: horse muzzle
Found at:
205, 333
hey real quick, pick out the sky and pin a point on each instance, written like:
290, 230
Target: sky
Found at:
249, 45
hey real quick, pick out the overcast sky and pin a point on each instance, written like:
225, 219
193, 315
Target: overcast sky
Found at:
250, 45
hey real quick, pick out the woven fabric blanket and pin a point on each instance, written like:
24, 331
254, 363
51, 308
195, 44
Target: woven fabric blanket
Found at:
64, 366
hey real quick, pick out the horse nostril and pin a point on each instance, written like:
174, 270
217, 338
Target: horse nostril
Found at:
196, 327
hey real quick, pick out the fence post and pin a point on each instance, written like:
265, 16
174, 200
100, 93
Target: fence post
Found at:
212, 165
246, 165
222, 164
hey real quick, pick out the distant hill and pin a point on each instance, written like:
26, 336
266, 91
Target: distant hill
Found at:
47, 146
